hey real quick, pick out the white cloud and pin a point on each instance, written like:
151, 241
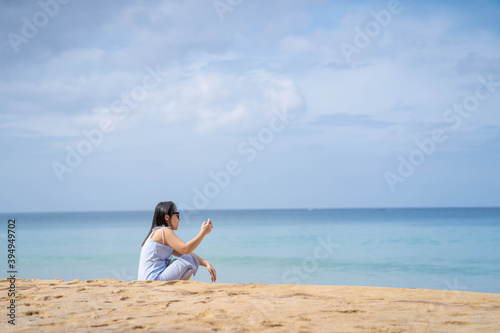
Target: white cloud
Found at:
212, 100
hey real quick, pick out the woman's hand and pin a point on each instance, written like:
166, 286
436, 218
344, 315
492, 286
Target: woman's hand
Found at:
206, 227
211, 270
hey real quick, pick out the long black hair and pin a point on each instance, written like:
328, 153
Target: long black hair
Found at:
162, 209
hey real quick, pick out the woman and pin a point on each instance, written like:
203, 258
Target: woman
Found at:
161, 242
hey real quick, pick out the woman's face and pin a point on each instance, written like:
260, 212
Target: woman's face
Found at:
174, 219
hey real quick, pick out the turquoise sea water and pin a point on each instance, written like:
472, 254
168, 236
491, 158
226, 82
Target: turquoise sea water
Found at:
439, 248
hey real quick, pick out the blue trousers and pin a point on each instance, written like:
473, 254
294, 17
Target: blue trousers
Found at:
180, 268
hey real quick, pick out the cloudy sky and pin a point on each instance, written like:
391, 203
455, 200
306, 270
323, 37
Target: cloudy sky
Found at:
117, 105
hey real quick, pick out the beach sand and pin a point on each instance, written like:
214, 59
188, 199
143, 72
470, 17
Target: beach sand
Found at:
108, 305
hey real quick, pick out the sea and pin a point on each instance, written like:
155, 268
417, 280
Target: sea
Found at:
423, 248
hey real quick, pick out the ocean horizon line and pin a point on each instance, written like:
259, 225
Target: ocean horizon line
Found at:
255, 209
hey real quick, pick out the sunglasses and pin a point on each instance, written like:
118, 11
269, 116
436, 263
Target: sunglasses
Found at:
176, 213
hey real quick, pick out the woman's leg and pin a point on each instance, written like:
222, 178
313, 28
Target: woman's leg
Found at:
192, 263
181, 268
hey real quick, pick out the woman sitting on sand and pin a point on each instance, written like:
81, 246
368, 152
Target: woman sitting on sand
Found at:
161, 242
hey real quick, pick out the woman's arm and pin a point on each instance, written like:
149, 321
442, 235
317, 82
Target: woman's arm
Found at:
177, 254
178, 244
209, 266
202, 261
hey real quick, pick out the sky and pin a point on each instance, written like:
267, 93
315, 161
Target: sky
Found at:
239, 104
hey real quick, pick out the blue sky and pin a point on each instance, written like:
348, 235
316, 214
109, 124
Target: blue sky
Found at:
118, 105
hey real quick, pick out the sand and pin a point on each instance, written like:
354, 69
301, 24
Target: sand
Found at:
108, 305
